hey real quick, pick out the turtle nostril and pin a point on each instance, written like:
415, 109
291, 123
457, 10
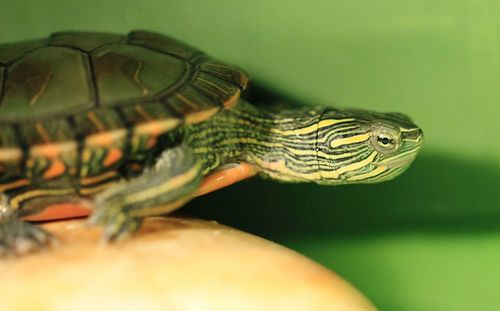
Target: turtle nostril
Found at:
415, 135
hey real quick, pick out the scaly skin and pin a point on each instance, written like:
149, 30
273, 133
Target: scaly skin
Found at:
320, 145
132, 123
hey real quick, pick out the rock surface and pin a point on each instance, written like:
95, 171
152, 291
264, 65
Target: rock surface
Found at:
171, 264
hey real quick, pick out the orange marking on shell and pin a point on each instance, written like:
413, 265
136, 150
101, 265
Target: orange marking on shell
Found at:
156, 128
113, 156
53, 150
212, 182
10, 154
151, 142
47, 151
231, 101
225, 177
13, 185
96, 121
42, 131
140, 110
107, 138
199, 116
56, 168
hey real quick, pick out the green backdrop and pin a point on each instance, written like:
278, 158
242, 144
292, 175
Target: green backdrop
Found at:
429, 240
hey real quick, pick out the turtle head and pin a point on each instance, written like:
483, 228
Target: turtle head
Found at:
322, 145
356, 146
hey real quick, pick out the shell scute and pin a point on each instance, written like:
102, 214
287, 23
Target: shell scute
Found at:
103, 152
84, 104
225, 72
44, 84
126, 72
10, 52
97, 121
47, 157
162, 43
45, 132
219, 91
83, 41
148, 112
189, 102
150, 120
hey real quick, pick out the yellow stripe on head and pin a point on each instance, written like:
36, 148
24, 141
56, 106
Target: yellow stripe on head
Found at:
365, 176
349, 140
348, 168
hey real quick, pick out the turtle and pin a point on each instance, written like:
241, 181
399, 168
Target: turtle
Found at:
131, 124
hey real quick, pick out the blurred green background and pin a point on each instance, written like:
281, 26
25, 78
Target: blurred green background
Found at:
429, 240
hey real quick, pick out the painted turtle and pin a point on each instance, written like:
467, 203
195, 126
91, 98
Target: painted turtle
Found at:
133, 123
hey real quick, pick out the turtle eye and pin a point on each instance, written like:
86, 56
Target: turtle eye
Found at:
385, 140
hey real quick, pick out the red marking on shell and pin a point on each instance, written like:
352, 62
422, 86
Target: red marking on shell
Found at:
230, 102
61, 211
113, 156
153, 129
53, 150
151, 141
156, 128
56, 168
215, 181
200, 116
107, 138
47, 151
10, 154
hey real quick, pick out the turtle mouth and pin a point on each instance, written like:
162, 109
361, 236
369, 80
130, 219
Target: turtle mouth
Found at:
398, 162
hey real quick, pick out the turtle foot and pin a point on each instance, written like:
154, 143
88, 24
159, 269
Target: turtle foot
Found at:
117, 223
19, 238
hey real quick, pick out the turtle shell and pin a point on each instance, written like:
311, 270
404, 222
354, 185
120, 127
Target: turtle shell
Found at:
81, 104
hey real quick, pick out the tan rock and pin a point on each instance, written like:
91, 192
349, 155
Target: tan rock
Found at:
172, 264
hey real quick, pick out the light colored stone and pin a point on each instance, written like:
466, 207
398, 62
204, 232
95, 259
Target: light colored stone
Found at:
172, 264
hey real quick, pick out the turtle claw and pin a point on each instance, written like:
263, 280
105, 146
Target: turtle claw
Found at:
18, 238
117, 224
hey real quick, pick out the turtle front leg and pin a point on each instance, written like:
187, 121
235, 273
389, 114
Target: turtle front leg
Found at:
165, 187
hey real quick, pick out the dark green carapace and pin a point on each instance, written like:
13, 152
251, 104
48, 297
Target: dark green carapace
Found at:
131, 124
